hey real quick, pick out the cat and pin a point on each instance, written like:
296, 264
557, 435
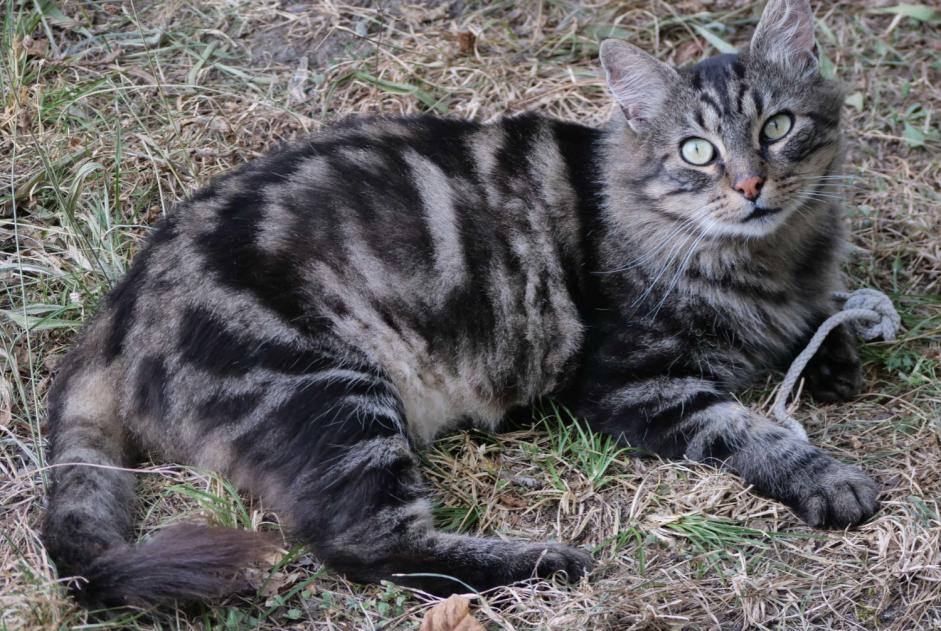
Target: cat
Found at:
305, 323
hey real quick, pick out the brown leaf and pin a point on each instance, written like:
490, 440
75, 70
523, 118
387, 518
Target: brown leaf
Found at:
465, 42
513, 501
38, 47
452, 614
686, 52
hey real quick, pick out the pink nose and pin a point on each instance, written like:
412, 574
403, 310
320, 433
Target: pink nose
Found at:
750, 186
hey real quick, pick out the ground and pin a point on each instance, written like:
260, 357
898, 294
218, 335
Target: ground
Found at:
111, 112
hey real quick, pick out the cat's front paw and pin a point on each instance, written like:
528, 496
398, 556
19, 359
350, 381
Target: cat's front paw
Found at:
835, 372
830, 494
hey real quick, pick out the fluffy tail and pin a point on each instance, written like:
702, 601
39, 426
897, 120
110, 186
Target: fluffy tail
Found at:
91, 504
180, 564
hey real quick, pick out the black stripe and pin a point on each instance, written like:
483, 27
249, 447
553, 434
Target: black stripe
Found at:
151, 395
711, 102
230, 250
806, 142
311, 428
123, 299
384, 201
579, 148
667, 417
223, 408
756, 99
689, 179
823, 120
740, 98
206, 342
645, 179
665, 431
729, 282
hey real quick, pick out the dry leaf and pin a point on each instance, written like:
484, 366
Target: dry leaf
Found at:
513, 501
452, 614
686, 52
465, 42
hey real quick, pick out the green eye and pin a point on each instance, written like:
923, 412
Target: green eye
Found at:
698, 151
777, 126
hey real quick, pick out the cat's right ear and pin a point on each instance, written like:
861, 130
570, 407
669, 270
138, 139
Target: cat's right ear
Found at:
785, 35
639, 82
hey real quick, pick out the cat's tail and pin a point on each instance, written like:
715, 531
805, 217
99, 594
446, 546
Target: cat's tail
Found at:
89, 519
180, 564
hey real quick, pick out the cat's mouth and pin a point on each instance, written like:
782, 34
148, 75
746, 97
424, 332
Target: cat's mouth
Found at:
760, 212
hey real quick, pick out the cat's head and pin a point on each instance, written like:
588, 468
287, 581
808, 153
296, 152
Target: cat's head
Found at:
736, 144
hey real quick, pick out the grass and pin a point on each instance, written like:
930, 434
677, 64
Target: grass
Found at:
110, 112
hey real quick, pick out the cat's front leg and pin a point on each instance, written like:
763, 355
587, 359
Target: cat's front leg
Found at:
690, 417
778, 464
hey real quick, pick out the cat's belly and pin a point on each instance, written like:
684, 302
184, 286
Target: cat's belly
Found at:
441, 383
436, 399
436, 392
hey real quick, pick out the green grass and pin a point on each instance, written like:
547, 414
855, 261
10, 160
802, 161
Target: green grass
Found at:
575, 446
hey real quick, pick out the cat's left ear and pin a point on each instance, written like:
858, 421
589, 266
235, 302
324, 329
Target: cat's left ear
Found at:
639, 82
785, 36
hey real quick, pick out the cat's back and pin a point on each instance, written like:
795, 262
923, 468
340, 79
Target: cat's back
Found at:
402, 207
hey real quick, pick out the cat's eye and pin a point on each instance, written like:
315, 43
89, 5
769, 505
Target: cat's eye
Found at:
777, 126
698, 151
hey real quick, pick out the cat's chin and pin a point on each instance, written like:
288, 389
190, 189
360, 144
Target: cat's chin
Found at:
758, 221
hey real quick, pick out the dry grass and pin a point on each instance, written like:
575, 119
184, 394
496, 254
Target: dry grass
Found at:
112, 111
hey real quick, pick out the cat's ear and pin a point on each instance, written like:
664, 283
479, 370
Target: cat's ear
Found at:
639, 82
785, 35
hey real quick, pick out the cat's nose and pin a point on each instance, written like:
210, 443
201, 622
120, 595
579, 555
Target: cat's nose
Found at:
749, 186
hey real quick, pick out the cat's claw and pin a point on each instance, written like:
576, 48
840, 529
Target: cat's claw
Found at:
839, 496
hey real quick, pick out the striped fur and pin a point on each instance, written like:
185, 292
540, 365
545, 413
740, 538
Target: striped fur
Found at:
304, 323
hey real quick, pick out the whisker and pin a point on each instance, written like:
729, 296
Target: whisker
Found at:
825, 177
680, 271
696, 237
677, 248
652, 252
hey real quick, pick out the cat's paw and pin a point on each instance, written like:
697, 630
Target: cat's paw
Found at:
553, 558
834, 495
835, 372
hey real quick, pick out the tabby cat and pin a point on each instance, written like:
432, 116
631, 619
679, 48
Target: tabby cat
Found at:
305, 323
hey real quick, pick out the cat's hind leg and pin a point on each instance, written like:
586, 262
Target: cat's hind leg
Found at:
336, 461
